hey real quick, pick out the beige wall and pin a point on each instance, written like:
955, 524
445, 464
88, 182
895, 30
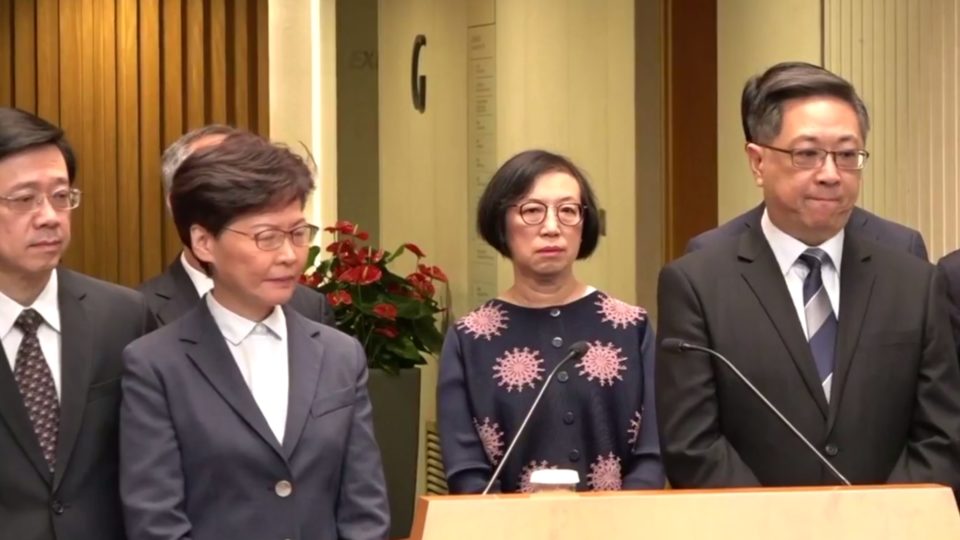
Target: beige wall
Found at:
303, 111
752, 35
903, 59
565, 82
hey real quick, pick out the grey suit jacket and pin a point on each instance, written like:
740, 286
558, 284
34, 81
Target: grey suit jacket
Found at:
862, 223
198, 460
80, 500
171, 294
894, 411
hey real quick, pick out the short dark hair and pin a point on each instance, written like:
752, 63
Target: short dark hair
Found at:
513, 180
761, 103
243, 174
20, 131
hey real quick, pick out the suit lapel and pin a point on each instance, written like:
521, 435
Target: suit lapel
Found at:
76, 346
305, 352
762, 274
856, 285
177, 292
208, 350
14, 414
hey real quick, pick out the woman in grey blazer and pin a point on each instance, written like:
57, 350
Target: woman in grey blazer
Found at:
244, 419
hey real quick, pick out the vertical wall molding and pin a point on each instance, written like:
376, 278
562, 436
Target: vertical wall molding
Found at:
125, 78
903, 59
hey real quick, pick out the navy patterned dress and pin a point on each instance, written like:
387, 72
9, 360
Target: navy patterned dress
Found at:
597, 417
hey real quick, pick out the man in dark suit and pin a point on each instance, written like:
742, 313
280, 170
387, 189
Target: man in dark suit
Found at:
949, 267
847, 337
177, 290
60, 363
243, 418
861, 222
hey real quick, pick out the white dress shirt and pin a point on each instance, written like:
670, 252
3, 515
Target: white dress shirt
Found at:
787, 251
201, 282
260, 350
48, 333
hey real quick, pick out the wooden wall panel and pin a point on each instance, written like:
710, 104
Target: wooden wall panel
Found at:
125, 78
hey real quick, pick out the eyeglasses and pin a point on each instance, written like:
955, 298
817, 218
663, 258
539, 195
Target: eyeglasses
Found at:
272, 239
535, 212
814, 158
28, 201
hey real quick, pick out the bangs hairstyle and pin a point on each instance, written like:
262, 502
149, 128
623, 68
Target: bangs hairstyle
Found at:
21, 131
244, 174
513, 180
761, 103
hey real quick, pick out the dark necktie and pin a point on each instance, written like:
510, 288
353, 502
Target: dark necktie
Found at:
821, 320
36, 385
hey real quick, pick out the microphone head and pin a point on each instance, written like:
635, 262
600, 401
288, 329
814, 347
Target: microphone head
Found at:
579, 348
673, 344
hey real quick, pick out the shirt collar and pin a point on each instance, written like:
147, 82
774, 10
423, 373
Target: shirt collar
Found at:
201, 282
236, 328
788, 249
46, 304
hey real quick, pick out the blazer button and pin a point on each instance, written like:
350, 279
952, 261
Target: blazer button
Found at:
574, 455
283, 488
568, 417
57, 507
831, 450
563, 376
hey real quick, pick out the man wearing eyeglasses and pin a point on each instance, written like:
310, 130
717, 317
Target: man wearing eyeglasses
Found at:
847, 337
60, 362
861, 222
183, 283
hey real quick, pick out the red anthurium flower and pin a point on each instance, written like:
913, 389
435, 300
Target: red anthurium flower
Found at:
433, 271
336, 298
371, 255
415, 250
343, 227
363, 274
421, 283
363, 235
387, 311
389, 331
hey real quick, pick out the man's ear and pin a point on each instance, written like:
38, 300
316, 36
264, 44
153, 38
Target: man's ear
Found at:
202, 243
755, 159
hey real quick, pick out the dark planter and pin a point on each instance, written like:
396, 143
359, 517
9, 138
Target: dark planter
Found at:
396, 424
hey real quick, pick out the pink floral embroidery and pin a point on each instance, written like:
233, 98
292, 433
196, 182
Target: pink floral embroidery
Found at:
618, 313
605, 473
492, 438
602, 362
484, 322
528, 470
518, 368
633, 431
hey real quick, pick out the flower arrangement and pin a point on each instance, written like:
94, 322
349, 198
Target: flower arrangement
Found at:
393, 317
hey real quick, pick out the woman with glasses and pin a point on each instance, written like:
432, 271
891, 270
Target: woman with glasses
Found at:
243, 418
598, 415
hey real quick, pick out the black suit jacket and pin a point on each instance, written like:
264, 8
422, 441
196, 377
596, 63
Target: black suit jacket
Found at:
894, 412
171, 294
861, 223
81, 499
949, 266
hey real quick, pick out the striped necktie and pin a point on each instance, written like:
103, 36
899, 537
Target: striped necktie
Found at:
821, 320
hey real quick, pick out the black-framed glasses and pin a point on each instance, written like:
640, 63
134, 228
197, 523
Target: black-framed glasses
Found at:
535, 212
28, 201
814, 158
272, 239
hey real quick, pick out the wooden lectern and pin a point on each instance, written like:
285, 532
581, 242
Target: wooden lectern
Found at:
907, 512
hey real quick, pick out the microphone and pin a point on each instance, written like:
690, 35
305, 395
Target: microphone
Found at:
575, 351
682, 346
